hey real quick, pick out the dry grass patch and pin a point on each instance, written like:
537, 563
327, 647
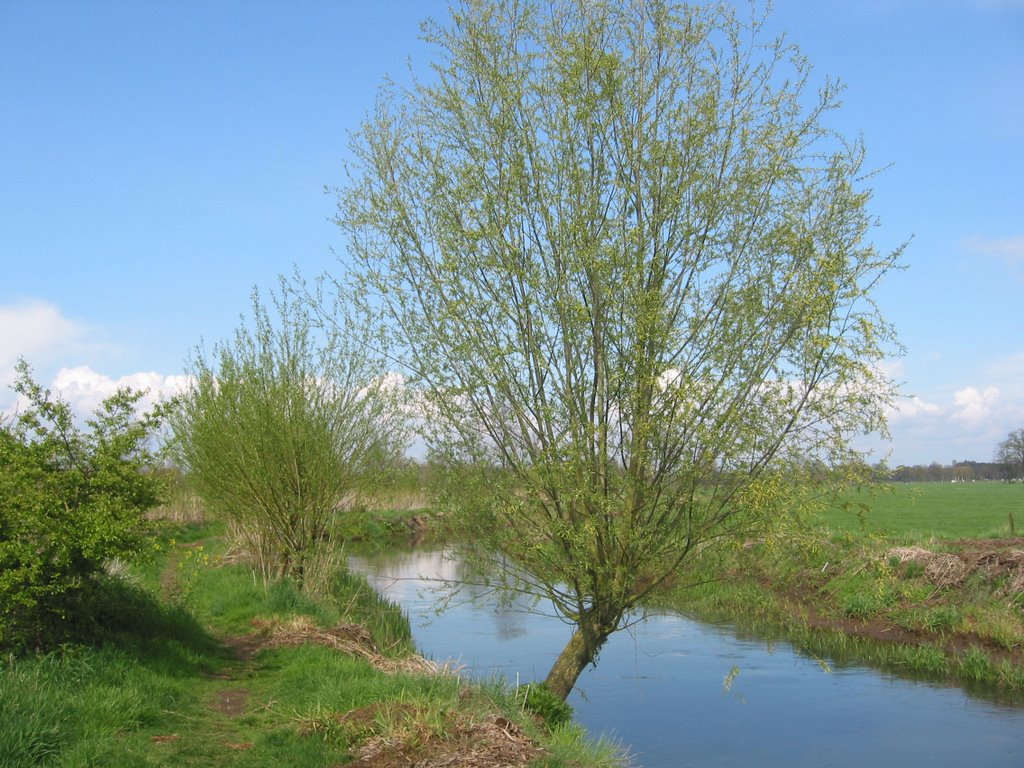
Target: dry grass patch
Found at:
399, 734
402, 734
351, 639
994, 561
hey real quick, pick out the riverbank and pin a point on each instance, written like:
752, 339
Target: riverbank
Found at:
921, 580
899, 587
677, 691
199, 664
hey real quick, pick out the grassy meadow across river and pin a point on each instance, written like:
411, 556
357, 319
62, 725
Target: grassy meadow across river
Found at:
920, 579
922, 511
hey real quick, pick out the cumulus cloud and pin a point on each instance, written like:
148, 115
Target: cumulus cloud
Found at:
84, 389
957, 420
974, 405
45, 337
913, 407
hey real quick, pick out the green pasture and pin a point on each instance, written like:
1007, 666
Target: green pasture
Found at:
921, 511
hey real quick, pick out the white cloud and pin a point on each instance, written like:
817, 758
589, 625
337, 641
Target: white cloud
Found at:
958, 419
912, 407
974, 405
40, 333
1009, 250
84, 389
34, 330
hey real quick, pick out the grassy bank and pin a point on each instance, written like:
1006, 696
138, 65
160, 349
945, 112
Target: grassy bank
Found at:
199, 664
926, 581
385, 526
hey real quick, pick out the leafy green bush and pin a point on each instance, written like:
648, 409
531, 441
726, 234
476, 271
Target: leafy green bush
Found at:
71, 500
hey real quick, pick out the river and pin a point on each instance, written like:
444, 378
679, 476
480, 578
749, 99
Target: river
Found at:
660, 688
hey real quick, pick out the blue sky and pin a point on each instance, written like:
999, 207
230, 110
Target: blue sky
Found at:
160, 159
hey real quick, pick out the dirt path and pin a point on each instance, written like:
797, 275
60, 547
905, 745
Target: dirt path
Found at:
170, 589
226, 702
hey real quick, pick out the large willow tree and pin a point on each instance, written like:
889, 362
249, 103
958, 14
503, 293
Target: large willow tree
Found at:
626, 260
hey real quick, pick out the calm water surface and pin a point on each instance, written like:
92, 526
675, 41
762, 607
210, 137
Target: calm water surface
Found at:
659, 687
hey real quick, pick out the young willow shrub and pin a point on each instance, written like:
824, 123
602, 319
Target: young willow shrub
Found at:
279, 427
71, 500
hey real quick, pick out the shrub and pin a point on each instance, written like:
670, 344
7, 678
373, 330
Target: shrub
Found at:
280, 426
71, 499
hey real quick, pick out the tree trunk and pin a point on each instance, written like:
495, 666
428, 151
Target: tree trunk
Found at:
578, 652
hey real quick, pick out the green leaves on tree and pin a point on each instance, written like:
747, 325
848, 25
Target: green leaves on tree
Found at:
625, 260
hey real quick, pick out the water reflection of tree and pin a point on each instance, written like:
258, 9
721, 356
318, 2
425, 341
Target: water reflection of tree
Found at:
509, 613
438, 579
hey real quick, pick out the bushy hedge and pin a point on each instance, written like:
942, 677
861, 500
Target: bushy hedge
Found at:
72, 499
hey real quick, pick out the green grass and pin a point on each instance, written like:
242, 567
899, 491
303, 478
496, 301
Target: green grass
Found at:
65, 707
160, 687
378, 526
922, 511
841, 571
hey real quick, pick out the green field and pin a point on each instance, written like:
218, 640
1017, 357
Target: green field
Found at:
922, 511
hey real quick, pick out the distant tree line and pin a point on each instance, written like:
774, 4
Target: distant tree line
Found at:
955, 472
1007, 465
